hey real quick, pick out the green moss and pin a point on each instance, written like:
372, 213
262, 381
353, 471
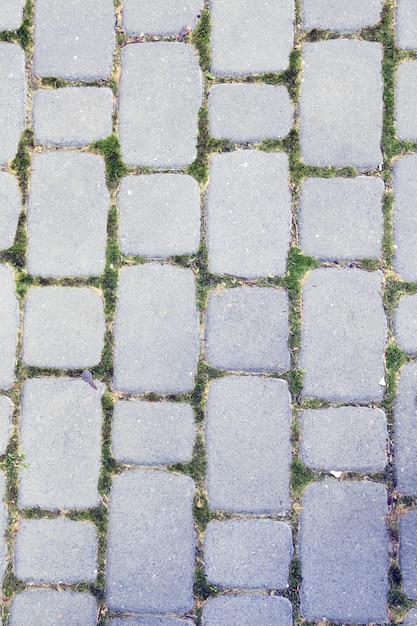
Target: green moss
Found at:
109, 148
370, 265
16, 255
394, 359
21, 163
294, 581
202, 588
292, 76
23, 35
200, 38
301, 476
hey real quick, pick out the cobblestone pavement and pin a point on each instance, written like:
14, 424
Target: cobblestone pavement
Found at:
208, 312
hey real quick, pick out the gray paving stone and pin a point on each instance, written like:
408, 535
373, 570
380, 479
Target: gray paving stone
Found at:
247, 610
347, 16
3, 525
247, 330
248, 445
63, 327
55, 550
411, 618
243, 112
156, 330
9, 315
405, 324
341, 218
160, 95
406, 24
249, 554
160, 17
154, 433
405, 217
405, 420
151, 621
12, 99
406, 101
245, 40
343, 335
159, 215
151, 543
348, 438
5, 422
341, 103
72, 116
60, 432
9, 209
11, 13
248, 214
73, 40
344, 552
50, 608
408, 553
67, 215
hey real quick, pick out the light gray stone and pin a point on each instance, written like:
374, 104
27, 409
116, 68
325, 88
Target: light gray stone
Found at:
60, 433
63, 327
156, 331
11, 13
248, 214
343, 544
151, 621
160, 17
73, 40
160, 95
72, 116
406, 101
9, 209
5, 422
247, 329
247, 610
341, 103
243, 112
249, 554
346, 16
408, 553
251, 40
67, 215
406, 24
405, 217
50, 608
343, 335
248, 421
405, 324
405, 421
341, 218
151, 543
12, 99
347, 438
411, 618
55, 550
9, 316
155, 433
159, 215
3, 526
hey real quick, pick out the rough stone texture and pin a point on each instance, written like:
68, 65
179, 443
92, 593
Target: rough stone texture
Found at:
345, 16
411, 618
156, 433
50, 608
55, 550
247, 330
405, 217
345, 439
160, 95
72, 116
5, 422
73, 40
60, 433
406, 101
156, 330
243, 112
12, 98
160, 17
405, 420
9, 316
151, 543
11, 12
248, 554
344, 552
248, 445
3, 525
343, 335
405, 324
245, 40
341, 218
341, 107
151, 621
248, 214
406, 24
67, 215
9, 209
247, 610
408, 553
159, 215
63, 327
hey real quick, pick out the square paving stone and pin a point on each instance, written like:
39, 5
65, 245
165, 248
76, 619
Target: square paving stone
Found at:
55, 550
248, 214
345, 16
344, 552
247, 432
160, 96
406, 101
405, 324
60, 433
3, 526
10, 204
243, 113
9, 316
50, 608
67, 215
151, 621
341, 218
341, 103
249, 554
11, 13
405, 217
151, 543
5, 422
347, 438
405, 421
343, 335
247, 330
406, 24
160, 17
153, 433
12, 98
247, 610
63, 327
73, 40
159, 215
72, 116
251, 39
408, 553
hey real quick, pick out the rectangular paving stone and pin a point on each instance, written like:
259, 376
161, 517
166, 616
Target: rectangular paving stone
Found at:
3, 526
405, 217
341, 103
160, 95
151, 543
408, 553
247, 610
406, 101
248, 214
343, 547
247, 434
156, 331
160, 17
11, 13
9, 315
151, 621
5, 422
12, 99
405, 420
49, 608
345, 16
60, 434
343, 335
405, 324
406, 24
10, 204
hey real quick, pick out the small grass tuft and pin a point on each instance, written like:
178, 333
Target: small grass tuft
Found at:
21, 163
301, 476
200, 38
109, 148
202, 588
